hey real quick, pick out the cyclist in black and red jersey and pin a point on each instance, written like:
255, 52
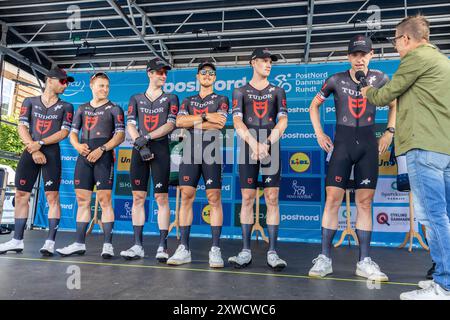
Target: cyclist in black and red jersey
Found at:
100, 123
260, 119
355, 145
151, 118
43, 122
204, 114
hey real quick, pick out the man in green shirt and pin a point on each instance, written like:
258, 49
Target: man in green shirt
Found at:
422, 88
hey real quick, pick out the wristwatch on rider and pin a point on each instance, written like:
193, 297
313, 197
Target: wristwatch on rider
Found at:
390, 129
103, 148
148, 137
204, 117
41, 142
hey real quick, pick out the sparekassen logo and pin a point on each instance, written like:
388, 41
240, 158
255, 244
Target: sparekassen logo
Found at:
206, 216
300, 162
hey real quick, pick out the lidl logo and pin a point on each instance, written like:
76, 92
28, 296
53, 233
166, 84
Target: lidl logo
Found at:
206, 216
300, 162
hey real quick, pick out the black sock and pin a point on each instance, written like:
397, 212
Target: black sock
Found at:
215, 232
185, 232
81, 232
364, 243
273, 236
108, 232
19, 228
138, 235
246, 235
52, 228
163, 238
327, 241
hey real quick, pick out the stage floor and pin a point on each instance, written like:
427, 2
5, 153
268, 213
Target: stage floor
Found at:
30, 276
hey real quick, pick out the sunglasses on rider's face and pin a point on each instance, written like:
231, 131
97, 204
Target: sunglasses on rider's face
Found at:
61, 81
209, 72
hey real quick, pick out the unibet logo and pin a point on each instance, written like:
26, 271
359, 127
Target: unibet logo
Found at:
384, 166
206, 214
300, 162
124, 160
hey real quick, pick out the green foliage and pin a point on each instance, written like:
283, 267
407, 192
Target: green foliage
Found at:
10, 141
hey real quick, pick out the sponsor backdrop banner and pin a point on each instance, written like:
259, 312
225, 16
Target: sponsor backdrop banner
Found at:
302, 192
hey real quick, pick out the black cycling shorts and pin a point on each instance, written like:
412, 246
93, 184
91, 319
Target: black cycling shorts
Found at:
361, 151
202, 160
159, 167
27, 170
249, 171
99, 173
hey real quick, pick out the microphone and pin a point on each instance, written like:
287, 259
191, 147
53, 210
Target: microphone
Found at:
361, 77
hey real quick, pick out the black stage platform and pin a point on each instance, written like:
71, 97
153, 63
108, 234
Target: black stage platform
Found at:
29, 276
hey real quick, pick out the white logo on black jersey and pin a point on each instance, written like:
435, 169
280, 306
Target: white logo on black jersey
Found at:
365, 181
271, 89
209, 181
372, 79
162, 99
268, 179
59, 106
158, 185
108, 107
48, 183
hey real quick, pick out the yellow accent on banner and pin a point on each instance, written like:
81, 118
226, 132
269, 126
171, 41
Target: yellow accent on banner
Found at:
384, 167
300, 162
124, 160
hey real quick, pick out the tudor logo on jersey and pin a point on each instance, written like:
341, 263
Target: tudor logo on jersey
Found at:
90, 122
150, 122
200, 111
43, 126
357, 106
260, 108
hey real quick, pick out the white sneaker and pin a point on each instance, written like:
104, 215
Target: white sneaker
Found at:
322, 267
108, 251
48, 249
370, 270
134, 253
162, 255
425, 284
242, 260
274, 261
215, 258
11, 245
74, 248
433, 292
181, 256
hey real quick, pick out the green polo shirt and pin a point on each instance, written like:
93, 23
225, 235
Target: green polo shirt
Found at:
422, 88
